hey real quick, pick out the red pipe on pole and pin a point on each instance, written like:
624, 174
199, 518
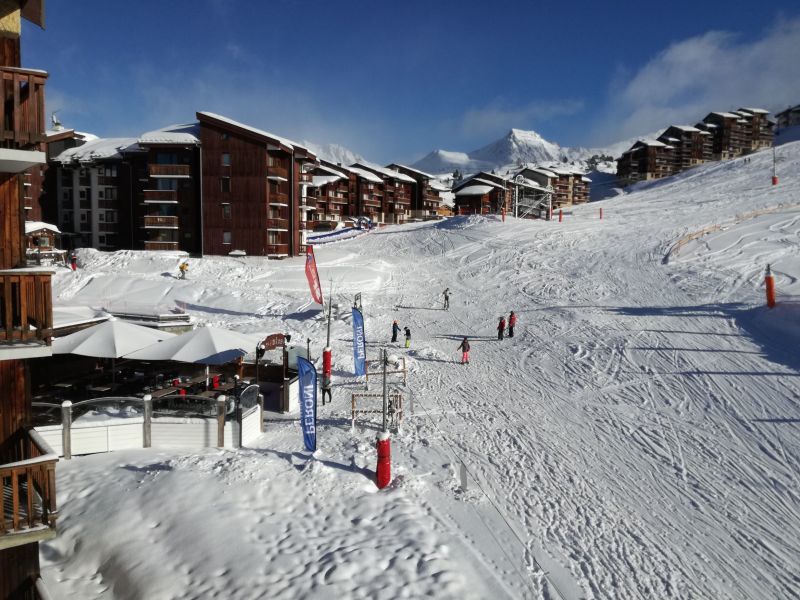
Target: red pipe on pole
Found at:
560, 215
601, 213
383, 473
769, 283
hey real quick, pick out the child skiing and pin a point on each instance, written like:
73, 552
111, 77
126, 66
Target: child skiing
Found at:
464, 347
512, 320
408, 337
501, 327
326, 388
395, 330
183, 267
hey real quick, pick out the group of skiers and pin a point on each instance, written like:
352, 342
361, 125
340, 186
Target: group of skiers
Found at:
501, 326
396, 332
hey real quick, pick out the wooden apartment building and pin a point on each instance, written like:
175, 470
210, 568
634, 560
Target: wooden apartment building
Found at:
788, 118
482, 194
332, 194
255, 189
425, 198
397, 191
27, 465
691, 146
646, 160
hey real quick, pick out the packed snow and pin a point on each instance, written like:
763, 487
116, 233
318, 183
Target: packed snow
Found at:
636, 438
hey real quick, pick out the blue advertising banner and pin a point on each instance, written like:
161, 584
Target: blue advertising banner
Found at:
307, 375
359, 344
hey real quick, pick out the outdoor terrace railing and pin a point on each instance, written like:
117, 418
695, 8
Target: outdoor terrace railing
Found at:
160, 245
26, 307
276, 223
278, 197
277, 249
170, 170
28, 486
160, 195
277, 172
160, 221
22, 123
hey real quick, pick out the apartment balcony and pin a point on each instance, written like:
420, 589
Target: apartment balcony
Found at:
278, 199
160, 245
277, 250
305, 178
277, 173
160, 196
22, 125
28, 512
160, 222
26, 314
170, 171
277, 224
372, 202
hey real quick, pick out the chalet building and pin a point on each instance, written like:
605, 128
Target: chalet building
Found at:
425, 200
730, 134
691, 146
759, 130
398, 189
369, 197
255, 189
646, 160
482, 194
57, 140
446, 198
334, 190
788, 118
27, 464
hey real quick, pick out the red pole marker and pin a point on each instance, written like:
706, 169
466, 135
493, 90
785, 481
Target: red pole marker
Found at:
560, 215
601, 213
383, 472
326, 361
503, 212
769, 283
774, 180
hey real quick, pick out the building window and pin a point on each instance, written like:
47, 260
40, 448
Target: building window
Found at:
226, 159
225, 184
82, 194
226, 237
225, 135
226, 211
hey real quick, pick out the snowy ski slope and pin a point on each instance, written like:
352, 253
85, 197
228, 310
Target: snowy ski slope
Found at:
637, 438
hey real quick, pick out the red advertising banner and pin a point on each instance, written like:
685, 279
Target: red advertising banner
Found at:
274, 341
313, 276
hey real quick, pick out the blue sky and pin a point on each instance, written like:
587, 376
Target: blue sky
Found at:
394, 80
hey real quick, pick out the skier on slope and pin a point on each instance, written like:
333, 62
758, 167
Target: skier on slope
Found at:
395, 330
501, 327
183, 267
326, 388
464, 347
446, 295
512, 320
408, 337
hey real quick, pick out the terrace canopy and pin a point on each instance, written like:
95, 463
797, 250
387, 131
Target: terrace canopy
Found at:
110, 339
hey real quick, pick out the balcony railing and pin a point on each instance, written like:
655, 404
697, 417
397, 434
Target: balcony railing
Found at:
278, 198
160, 245
160, 221
280, 224
160, 195
277, 171
277, 249
29, 489
170, 170
23, 122
26, 309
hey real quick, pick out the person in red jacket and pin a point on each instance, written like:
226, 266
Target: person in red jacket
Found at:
512, 320
501, 327
464, 347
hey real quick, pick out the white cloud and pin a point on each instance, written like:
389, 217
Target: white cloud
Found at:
498, 117
714, 71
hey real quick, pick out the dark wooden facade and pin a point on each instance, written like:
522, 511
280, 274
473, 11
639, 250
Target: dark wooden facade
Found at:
425, 199
645, 160
25, 321
759, 130
729, 133
691, 146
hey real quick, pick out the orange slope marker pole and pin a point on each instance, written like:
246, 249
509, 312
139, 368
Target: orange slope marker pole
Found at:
769, 283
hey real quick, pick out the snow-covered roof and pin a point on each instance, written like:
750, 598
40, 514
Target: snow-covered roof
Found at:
318, 180
282, 140
475, 190
188, 134
756, 111
726, 115
368, 175
331, 171
687, 128
438, 186
99, 149
586, 179
487, 182
384, 171
31, 226
546, 172
423, 173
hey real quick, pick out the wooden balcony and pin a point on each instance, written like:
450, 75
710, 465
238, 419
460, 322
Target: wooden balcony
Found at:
180, 171
278, 198
277, 171
29, 491
164, 222
305, 178
278, 224
277, 249
167, 196
26, 311
23, 122
160, 245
